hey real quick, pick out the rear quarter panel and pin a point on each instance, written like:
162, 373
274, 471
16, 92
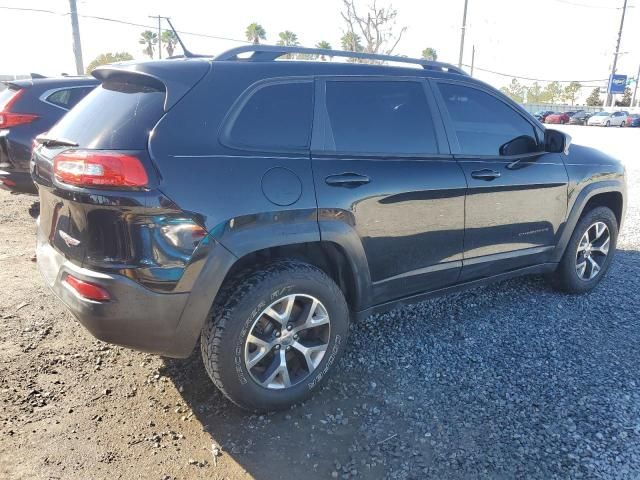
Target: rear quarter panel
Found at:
222, 186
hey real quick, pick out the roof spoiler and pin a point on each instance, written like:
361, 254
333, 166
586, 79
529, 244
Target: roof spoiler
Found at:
176, 81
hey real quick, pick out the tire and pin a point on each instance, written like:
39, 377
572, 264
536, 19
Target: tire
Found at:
567, 276
622, 124
608, 124
240, 310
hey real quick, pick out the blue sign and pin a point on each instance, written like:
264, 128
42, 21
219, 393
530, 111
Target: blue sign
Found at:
617, 83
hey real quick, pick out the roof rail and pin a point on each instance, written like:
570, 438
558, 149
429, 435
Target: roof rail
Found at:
268, 53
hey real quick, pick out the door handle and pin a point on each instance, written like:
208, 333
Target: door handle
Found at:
347, 180
485, 174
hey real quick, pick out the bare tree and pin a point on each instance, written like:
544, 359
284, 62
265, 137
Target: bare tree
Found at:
377, 26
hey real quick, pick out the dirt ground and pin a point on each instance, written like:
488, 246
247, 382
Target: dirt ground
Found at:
72, 407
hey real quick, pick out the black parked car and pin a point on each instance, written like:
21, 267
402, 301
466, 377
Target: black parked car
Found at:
28, 108
580, 118
262, 205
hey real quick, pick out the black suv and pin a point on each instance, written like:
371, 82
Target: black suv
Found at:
28, 108
262, 205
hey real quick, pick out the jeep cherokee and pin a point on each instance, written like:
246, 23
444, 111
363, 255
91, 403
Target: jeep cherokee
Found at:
261, 205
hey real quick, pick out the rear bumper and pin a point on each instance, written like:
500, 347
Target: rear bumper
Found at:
135, 317
162, 323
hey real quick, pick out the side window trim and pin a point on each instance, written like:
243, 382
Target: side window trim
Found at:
224, 132
321, 119
456, 150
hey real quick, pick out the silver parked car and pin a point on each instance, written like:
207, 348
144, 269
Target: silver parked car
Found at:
608, 119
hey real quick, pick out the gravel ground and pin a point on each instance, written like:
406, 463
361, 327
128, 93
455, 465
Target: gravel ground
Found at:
510, 381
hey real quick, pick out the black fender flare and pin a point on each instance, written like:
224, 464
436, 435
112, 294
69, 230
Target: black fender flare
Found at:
346, 237
577, 208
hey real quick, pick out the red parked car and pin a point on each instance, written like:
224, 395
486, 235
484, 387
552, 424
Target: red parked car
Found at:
558, 118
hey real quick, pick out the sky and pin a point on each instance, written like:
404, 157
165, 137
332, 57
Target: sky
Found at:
545, 39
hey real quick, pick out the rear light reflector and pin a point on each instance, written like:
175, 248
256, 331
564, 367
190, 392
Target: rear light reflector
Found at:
11, 119
99, 169
87, 290
7, 182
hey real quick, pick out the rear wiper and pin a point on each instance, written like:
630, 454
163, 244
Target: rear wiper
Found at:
54, 142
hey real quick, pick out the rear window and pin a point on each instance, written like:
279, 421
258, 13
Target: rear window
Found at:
275, 117
115, 116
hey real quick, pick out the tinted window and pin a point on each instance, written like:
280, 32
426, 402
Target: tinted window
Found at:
116, 115
68, 97
379, 117
275, 117
482, 122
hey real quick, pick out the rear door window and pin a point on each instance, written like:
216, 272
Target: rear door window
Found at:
388, 117
117, 115
275, 117
482, 122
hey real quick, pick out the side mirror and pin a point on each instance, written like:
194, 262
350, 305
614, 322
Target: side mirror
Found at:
519, 146
556, 141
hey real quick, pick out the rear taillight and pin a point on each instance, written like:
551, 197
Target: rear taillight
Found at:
87, 168
87, 290
12, 119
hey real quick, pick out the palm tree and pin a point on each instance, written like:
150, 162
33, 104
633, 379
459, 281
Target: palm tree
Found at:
107, 58
169, 40
149, 39
255, 33
350, 41
288, 39
324, 45
430, 54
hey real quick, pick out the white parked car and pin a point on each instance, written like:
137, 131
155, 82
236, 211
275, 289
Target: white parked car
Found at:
608, 119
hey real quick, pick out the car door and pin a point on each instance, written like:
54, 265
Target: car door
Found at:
386, 180
517, 197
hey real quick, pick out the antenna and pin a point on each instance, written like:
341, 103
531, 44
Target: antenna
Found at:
187, 53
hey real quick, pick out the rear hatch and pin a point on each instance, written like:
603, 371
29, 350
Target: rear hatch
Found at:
101, 223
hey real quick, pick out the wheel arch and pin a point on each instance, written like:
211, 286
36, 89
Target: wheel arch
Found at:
330, 257
607, 194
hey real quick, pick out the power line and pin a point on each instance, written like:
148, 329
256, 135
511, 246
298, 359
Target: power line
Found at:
577, 4
124, 22
39, 10
531, 78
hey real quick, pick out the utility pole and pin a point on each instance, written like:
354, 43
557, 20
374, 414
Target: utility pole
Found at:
635, 89
77, 46
464, 27
609, 101
159, 34
473, 58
